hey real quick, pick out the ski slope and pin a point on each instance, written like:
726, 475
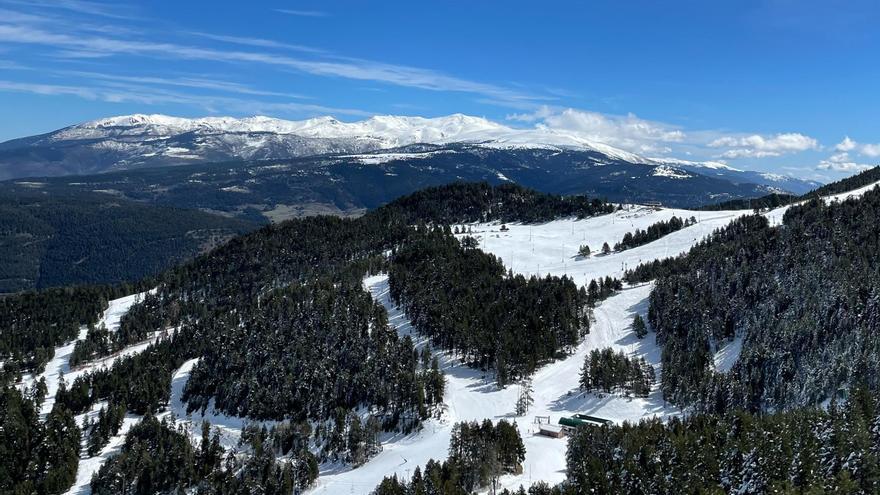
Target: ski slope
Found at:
59, 366
471, 395
552, 248
542, 249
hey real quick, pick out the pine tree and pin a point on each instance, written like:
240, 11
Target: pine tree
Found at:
525, 399
639, 326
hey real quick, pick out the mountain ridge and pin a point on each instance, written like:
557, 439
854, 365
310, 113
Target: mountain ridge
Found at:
140, 141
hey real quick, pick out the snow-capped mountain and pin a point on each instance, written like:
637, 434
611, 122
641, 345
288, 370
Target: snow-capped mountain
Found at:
145, 141
379, 132
775, 182
135, 141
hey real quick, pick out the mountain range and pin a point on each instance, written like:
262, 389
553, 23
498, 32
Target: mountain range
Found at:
277, 168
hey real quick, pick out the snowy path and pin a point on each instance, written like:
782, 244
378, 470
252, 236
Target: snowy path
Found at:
471, 395
89, 466
59, 366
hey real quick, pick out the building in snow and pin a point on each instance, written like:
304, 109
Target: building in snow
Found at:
554, 431
571, 424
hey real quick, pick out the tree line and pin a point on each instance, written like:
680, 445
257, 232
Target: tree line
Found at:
463, 202
653, 232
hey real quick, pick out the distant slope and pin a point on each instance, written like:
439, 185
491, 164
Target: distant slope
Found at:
48, 241
775, 200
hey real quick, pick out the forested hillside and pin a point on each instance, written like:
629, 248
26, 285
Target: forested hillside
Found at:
32, 324
48, 240
464, 300
282, 328
480, 202
802, 298
277, 325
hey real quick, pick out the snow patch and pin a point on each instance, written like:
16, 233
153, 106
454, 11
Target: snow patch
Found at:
727, 356
670, 172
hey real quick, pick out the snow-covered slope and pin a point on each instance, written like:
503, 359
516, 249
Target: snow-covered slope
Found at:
552, 248
59, 367
549, 248
472, 395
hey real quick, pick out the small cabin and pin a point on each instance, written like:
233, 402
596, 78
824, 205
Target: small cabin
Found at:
553, 431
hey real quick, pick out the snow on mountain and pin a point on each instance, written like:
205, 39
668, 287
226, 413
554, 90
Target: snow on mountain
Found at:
671, 172
689, 163
138, 141
382, 131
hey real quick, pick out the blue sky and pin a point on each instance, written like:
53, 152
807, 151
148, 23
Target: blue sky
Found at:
777, 85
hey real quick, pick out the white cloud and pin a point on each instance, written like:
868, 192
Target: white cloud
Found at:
748, 153
841, 162
866, 149
758, 146
872, 150
846, 145
628, 132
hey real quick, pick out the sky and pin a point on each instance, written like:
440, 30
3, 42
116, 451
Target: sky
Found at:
786, 86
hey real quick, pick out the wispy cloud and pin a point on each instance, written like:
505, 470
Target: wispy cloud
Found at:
100, 9
10, 65
338, 67
259, 42
152, 96
303, 13
214, 83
